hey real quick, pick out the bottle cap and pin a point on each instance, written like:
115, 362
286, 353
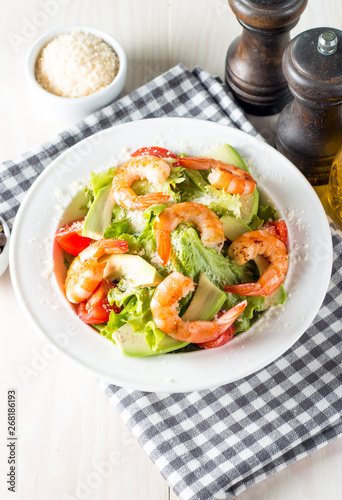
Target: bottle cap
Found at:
327, 43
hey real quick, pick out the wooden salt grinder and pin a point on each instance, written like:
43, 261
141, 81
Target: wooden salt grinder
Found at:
309, 129
253, 63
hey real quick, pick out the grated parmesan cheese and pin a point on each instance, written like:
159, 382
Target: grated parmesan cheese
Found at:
76, 65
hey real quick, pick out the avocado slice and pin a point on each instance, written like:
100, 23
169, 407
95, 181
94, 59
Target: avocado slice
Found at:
233, 228
206, 302
227, 154
132, 267
134, 344
249, 202
99, 215
249, 206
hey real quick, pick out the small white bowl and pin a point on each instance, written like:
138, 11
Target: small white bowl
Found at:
75, 108
4, 255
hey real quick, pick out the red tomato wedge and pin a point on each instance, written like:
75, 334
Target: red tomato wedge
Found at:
97, 308
223, 339
69, 237
155, 151
278, 228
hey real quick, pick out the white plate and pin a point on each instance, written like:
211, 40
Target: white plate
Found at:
40, 297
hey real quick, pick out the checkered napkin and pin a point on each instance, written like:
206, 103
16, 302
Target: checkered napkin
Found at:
178, 92
214, 444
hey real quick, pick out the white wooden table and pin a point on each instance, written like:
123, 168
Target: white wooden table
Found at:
66, 427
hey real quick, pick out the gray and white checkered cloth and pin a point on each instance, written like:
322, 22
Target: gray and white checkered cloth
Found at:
214, 444
178, 92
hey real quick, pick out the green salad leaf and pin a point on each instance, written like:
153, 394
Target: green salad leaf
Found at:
100, 180
135, 304
267, 213
249, 315
197, 189
116, 228
170, 186
264, 214
192, 257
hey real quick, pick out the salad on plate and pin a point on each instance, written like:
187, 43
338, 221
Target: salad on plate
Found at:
175, 253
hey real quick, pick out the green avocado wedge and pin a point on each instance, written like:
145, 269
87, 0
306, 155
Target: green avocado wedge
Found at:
249, 202
99, 215
206, 302
227, 154
233, 228
132, 267
134, 344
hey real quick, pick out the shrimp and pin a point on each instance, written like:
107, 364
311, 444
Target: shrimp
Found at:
247, 247
211, 227
154, 169
164, 305
85, 272
226, 177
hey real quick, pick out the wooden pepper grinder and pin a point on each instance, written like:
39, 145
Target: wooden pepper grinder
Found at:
253, 63
309, 129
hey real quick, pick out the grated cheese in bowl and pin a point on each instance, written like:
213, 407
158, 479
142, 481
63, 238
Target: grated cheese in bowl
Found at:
76, 64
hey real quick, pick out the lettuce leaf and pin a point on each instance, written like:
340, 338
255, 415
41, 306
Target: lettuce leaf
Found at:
139, 242
99, 181
136, 311
264, 215
267, 213
96, 183
197, 188
116, 228
249, 315
170, 186
194, 258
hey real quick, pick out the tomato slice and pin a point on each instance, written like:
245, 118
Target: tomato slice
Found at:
278, 228
155, 151
69, 237
97, 308
223, 339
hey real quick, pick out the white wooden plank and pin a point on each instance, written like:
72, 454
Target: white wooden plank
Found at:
201, 32
70, 439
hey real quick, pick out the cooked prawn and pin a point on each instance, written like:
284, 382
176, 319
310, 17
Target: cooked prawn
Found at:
154, 169
85, 272
206, 220
164, 305
226, 177
254, 243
